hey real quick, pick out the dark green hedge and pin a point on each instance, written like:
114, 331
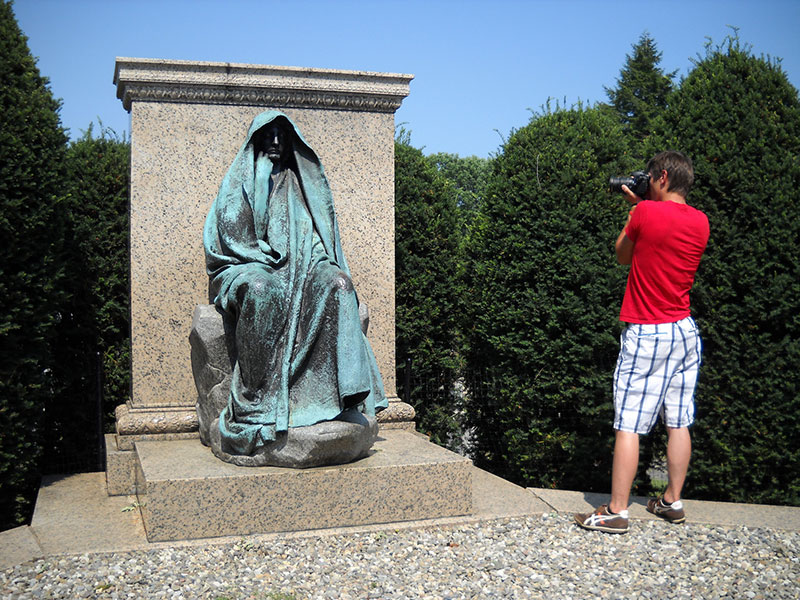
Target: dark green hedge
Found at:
427, 274
543, 302
738, 117
546, 292
63, 283
32, 226
94, 331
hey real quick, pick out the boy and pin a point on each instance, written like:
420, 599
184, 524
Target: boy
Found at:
660, 349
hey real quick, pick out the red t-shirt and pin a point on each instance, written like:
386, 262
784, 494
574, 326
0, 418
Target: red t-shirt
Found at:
669, 240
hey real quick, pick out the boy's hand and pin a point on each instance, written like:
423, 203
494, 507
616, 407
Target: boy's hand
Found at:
630, 196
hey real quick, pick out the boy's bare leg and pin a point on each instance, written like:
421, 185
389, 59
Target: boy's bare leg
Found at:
679, 451
626, 462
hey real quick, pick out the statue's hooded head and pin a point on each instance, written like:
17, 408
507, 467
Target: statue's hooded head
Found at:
273, 134
275, 140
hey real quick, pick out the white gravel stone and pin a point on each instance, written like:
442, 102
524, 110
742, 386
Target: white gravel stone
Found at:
535, 557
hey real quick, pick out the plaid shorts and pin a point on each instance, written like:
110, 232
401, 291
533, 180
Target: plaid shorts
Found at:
656, 375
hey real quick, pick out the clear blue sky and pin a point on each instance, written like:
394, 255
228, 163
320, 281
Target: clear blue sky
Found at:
478, 65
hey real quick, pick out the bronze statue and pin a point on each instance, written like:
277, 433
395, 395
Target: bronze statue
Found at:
278, 274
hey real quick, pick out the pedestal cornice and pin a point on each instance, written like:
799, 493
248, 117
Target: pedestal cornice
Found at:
151, 80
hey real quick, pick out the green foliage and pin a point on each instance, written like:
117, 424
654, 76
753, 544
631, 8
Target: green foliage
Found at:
468, 176
543, 299
32, 223
738, 117
63, 280
428, 263
544, 291
96, 318
642, 89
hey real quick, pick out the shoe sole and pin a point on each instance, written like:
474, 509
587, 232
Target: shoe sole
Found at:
603, 529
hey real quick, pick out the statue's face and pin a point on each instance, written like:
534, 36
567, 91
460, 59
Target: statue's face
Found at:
275, 142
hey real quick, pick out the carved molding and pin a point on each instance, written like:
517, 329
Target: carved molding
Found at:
160, 420
258, 85
179, 420
258, 97
398, 415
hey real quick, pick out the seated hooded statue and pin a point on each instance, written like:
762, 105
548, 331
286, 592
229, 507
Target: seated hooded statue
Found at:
277, 271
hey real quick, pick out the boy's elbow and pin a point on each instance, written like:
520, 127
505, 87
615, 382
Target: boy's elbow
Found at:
624, 249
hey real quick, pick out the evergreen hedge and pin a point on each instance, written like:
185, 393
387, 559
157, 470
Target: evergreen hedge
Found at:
63, 280
93, 336
543, 302
32, 225
546, 292
738, 117
427, 275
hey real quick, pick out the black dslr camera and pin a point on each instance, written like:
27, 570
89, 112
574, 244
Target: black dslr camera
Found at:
638, 182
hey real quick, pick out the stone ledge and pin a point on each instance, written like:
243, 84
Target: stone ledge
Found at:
18, 545
185, 492
120, 469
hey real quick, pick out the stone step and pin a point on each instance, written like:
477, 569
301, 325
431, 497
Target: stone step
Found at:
185, 492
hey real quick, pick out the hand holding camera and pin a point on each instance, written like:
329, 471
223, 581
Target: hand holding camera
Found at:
634, 187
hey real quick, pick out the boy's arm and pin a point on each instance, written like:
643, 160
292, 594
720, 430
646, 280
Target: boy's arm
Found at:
624, 245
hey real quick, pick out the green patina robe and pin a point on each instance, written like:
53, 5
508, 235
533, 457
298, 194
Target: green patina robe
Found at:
277, 270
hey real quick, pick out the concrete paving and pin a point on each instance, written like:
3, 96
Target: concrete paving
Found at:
697, 511
17, 546
74, 515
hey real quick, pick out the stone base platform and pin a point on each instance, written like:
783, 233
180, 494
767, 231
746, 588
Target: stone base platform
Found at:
185, 492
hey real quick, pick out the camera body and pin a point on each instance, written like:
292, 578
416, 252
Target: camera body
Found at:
638, 183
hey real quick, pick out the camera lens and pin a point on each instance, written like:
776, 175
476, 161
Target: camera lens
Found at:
616, 183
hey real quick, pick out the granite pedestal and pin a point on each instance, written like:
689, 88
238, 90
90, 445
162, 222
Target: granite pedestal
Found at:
185, 492
187, 121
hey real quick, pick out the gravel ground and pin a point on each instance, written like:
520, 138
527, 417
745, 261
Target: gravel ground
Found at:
536, 557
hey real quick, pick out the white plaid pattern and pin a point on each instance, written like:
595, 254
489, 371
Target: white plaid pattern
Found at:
656, 375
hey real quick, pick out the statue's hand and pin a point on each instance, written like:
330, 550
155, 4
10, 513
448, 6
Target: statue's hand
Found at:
270, 256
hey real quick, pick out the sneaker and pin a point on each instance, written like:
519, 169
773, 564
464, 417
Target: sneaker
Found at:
603, 520
670, 512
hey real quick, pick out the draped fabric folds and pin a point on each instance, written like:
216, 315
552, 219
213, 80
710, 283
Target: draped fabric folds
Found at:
277, 270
